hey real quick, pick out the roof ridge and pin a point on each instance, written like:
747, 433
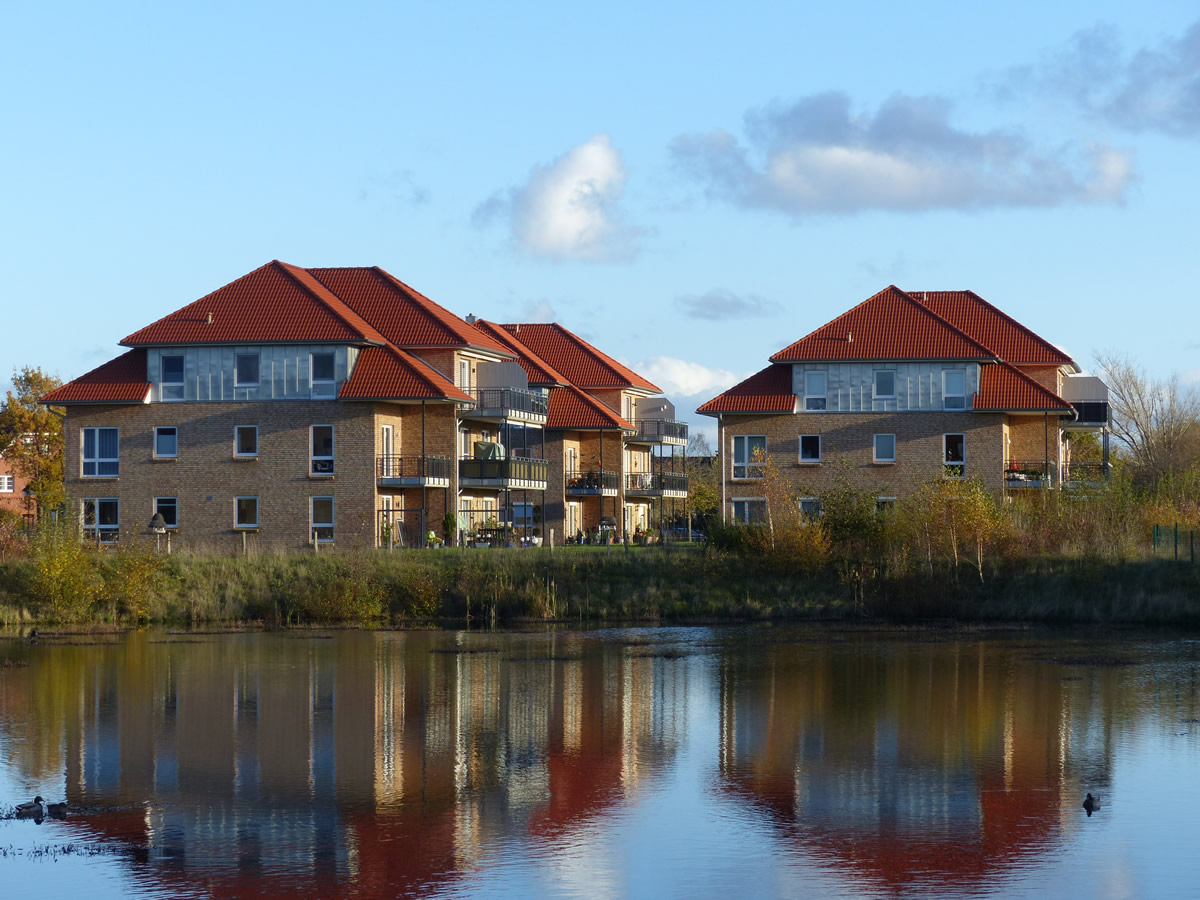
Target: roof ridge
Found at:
948, 324
427, 306
335, 304
424, 370
497, 332
617, 369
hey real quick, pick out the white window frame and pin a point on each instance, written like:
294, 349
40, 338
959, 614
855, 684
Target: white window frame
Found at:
961, 464
572, 460
386, 512
322, 532
464, 375
245, 526
8, 484
157, 429
574, 523
236, 443
320, 465
96, 461
237, 370
800, 450
885, 503
749, 470
387, 451
322, 388
627, 406
960, 399
879, 395
875, 457
745, 501
170, 391
156, 507
814, 511
106, 534
814, 401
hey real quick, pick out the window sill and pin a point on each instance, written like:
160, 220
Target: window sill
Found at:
237, 458
883, 462
243, 529
809, 463
164, 459
321, 476
100, 477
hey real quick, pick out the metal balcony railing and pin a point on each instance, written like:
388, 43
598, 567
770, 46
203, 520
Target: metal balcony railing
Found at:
513, 469
413, 468
661, 429
1087, 472
593, 481
656, 483
1030, 473
510, 400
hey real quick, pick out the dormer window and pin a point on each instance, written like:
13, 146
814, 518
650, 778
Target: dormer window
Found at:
322, 376
954, 389
814, 390
246, 374
885, 384
171, 376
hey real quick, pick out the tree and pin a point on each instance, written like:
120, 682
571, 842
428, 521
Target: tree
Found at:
31, 436
1157, 422
704, 474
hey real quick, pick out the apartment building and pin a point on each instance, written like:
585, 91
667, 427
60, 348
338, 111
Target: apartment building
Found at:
320, 406
903, 388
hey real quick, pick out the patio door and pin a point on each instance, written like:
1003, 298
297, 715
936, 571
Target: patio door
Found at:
386, 449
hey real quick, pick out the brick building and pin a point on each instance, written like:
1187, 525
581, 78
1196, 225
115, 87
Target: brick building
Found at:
12, 490
905, 387
323, 406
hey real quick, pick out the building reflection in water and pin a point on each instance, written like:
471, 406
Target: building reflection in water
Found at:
374, 762
911, 764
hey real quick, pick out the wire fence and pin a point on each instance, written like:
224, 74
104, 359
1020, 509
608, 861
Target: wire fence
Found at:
1173, 542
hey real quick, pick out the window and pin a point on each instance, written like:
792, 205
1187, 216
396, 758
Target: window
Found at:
955, 446
321, 519
885, 448
885, 504
810, 448
322, 376
810, 508
170, 377
7, 484
814, 390
747, 450
573, 520
954, 389
464, 374
627, 403
387, 445
101, 449
322, 450
750, 511
246, 373
885, 384
572, 460
245, 512
245, 440
102, 519
168, 508
166, 442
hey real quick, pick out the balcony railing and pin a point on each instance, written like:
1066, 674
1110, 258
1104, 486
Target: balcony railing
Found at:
508, 403
1029, 473
401, 471
657, 484
1089, 472
592, 482
512, 472
1092, 413
662, 431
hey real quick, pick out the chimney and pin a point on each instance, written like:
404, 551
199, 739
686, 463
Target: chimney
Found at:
850, 337
208, 319
471, 320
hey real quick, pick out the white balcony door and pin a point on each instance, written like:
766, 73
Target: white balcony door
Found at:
386, 448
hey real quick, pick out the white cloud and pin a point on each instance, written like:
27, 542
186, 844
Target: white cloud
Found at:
681, 378
723, 304
817, 156
569, 209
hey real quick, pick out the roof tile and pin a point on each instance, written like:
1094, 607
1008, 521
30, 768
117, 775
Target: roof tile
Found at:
1004, 387
1004, 336
768, 391
537, 369
120, 380
570, 408
572, 356
389, 373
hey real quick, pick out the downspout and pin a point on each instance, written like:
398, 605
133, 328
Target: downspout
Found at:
424, 472
1046, 442
721, 460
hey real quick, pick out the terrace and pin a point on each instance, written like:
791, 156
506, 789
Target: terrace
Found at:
413, 471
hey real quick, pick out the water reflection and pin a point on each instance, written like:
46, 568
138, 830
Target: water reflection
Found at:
381, 763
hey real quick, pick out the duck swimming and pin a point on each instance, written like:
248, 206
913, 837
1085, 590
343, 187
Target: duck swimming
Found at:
57, 810
1090, 805
35, 807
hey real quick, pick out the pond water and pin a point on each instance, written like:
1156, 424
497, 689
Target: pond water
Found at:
691, 762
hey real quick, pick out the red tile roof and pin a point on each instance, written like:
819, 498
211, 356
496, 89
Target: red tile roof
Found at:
389, 373
1003, 387
582, 364
406, 317
537, 369
276, 303
1004, 336
120, 380
889, 325
768, 391
571, 408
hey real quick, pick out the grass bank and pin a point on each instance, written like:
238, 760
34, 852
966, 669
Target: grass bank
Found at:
414, 587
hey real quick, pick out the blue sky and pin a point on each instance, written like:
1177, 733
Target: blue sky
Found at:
689, 186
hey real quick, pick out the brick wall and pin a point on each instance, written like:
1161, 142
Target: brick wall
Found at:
847, 445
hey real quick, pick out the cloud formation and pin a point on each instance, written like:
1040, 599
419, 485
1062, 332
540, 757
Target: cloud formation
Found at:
569, 209
1151, 89
816, 156
680, 378
720, 304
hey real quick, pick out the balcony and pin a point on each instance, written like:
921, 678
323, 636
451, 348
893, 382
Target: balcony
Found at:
656, 484
1024, 474
413, 471
1088, 474
593, 483
515, 472
660, 431
1089, 414
499, 404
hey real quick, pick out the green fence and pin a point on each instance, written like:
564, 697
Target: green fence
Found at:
1173, 542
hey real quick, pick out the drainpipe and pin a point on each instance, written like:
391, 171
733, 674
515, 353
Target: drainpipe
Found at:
721, 460
424, 473
1046, 442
